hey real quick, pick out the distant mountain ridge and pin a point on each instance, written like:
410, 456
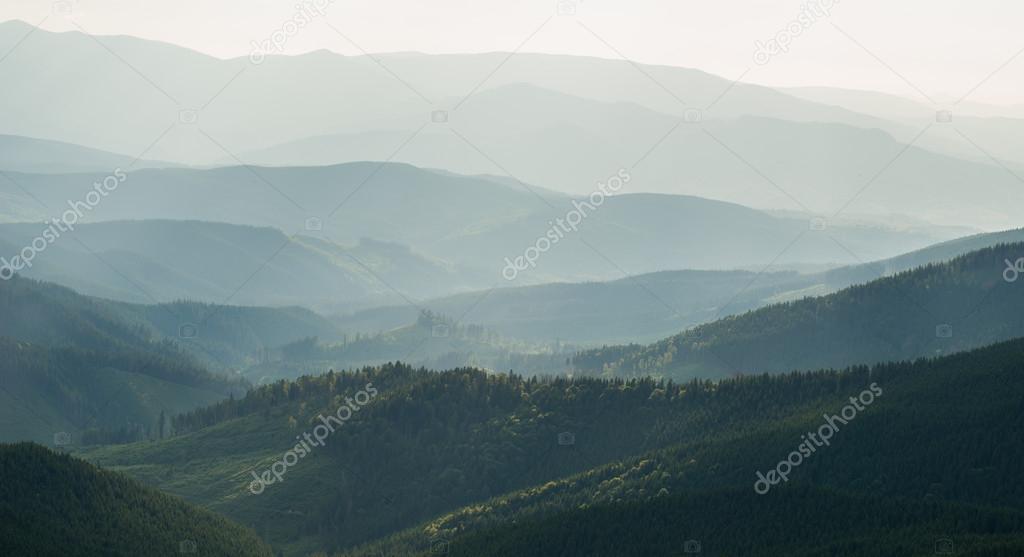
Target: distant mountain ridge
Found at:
530, 107
377, 97
28, 154
751, 159
654, 305
959, 304
154, 261
464, 226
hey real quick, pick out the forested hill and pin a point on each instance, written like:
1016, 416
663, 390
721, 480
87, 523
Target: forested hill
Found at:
810, 522
72, 366
227, 337
882, 486
461, 450
50, 315
53, 504
931, 310
429, 443
942, 252
649, 307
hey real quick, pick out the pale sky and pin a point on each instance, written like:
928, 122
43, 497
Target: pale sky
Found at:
943, 48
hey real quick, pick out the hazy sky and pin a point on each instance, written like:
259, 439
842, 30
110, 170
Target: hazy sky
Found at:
943, 48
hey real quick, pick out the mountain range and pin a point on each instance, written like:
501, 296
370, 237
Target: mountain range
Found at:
467, 230
937, 309
503, 303
354, 108
153, 261
652, 306
545, 453
90, 370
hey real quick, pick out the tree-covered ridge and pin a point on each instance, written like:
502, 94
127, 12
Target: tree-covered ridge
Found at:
53, 504
491, 444
433, 340
942, 252
91, 396
592, 313
433, 442
936, 309
944, 431
803, 521
53, 316
218, 337
649, 307
81, 367
228, 337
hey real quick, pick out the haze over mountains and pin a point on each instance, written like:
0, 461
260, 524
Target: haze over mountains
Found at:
652, 306
501, 303
180, 355
928, 311
230, 436
161, 261
755, 160
461, 226
26, 154
544, 119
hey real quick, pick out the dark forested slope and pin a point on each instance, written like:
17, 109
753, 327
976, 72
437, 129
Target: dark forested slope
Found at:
932, 310
53, 504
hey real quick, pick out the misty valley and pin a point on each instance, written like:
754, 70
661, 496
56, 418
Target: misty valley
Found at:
622, 290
